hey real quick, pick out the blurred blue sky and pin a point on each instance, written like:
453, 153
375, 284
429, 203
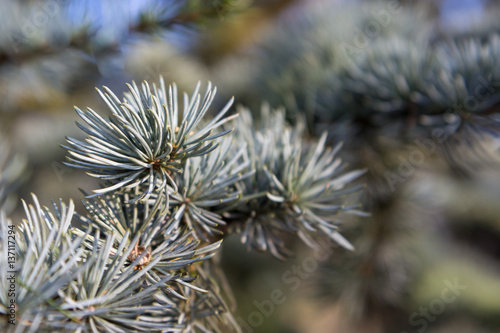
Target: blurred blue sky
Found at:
460, 13
116, 15
112, 18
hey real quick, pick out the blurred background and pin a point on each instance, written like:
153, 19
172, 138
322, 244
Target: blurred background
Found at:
411, 87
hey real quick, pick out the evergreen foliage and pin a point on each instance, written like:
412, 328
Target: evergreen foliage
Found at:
147, 137
298, 186
173, 187
401, 72
405, 95
387, 145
